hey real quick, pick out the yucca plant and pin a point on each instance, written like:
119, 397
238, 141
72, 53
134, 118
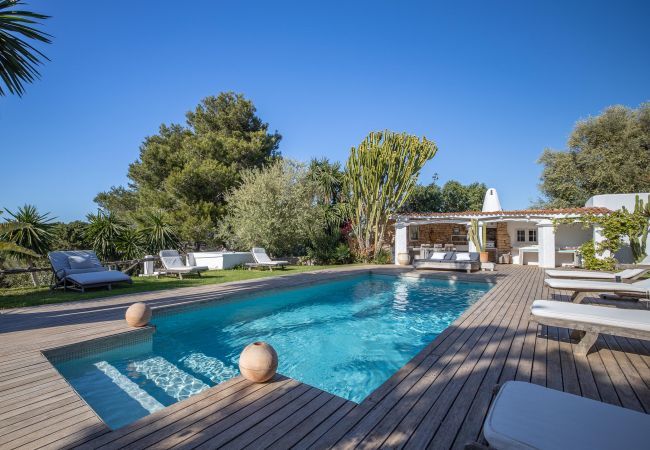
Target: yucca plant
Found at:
10, 247
157, 232
34, 233
130, 245
18, 58
104, 230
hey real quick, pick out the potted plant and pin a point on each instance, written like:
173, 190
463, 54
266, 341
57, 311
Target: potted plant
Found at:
479, 243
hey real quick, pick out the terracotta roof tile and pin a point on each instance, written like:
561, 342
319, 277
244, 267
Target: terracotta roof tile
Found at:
520, 212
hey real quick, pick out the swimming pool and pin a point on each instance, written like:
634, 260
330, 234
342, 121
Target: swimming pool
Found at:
345, 337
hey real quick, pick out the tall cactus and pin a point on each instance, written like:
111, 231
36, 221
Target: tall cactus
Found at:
639, 240
474, 235
380, 176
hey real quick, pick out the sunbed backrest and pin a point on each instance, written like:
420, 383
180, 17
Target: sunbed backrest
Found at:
61, 263
260, 255
171, 259
630, 273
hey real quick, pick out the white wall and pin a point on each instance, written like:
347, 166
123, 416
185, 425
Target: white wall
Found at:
616, 202
513, 226
572, 235
401, 240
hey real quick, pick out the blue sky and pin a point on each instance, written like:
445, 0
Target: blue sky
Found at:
492, 83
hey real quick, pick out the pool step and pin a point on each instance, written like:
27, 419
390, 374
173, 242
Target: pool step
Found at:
132, 390
213, 368
175, 382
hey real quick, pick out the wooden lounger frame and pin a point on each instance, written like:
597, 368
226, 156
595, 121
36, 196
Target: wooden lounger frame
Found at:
270, 266
587, 333
578, 295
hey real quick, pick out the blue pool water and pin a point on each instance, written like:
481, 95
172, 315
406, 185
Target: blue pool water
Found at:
346, 337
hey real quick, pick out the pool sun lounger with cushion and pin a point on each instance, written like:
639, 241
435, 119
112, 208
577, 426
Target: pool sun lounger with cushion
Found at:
588, 321
638, 289
627, 274
173, 264
528, 416
263, 260
81, 269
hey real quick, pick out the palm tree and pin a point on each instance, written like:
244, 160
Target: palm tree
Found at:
18, 58
33, 232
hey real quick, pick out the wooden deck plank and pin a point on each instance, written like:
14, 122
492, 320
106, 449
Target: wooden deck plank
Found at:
437, 400
449, 409
411, 386
308, 425
471, 406
438, 382
288, 425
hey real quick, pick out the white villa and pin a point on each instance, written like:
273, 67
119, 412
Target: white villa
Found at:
518, 237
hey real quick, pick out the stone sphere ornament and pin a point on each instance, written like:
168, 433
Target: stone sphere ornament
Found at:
258, 362
138, 314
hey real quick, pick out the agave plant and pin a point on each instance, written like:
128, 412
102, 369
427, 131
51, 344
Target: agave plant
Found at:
18, 58
156, 231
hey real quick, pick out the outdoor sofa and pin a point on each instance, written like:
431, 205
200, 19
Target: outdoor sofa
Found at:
528, 416
263, 260
638, 289
449, 261
173, 265
81, 269
588, 321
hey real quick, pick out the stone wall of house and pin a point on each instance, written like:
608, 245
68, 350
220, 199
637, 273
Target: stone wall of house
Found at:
437, 233
503, 238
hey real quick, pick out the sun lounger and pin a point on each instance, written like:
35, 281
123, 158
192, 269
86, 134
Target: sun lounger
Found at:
638, 289
81, 269
588, 321
173, 264
624, 275
528, 416
263, 260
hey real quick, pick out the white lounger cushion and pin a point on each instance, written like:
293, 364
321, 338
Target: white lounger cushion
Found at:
527, 416
262, 258
632, 319
639, 287
593, 275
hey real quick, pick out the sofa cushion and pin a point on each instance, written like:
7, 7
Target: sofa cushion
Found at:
437, 255
463, 257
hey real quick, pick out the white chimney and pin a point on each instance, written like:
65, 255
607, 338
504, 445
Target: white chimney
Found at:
491, 201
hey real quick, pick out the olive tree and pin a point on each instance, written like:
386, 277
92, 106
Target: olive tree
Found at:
607, 154
273, 208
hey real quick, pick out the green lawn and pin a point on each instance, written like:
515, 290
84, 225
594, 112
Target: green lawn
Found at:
12, 298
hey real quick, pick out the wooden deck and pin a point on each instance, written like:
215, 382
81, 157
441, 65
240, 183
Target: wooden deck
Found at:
438, 400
